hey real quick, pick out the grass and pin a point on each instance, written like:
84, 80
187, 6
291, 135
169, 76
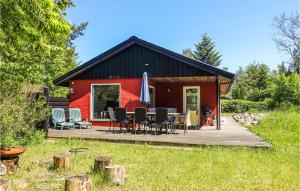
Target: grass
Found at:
170, 168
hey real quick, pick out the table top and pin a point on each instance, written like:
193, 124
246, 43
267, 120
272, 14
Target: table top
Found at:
153, 113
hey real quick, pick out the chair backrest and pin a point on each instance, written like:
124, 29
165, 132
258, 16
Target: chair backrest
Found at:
111, 113
161, 115
172, 110
140, 115
58, 115
192, 119
120, 114
75, 115
152, 109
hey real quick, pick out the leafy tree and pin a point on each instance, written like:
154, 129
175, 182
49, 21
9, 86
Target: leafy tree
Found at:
286, 89
205, 52
287, 38
36, 42
35, 48
252, 83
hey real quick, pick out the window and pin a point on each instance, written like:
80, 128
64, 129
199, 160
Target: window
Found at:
104, 96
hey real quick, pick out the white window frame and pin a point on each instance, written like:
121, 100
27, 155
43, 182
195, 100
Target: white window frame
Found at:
184, 96
153, 88
92, 99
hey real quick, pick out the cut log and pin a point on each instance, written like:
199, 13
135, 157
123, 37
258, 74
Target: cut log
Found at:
101, 162
78, 183
3, 169
10, 164
5, 185
61, 160
115, 174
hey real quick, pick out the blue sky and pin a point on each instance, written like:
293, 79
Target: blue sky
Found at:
241, 29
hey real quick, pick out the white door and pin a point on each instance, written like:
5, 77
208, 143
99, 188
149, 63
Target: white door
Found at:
191, 98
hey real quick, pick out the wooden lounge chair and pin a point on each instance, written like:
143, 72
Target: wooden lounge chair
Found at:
75, 117
58, 119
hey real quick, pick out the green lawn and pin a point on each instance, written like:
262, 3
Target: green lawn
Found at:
166, 168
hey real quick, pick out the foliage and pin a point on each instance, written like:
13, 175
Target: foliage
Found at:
286, 89
173, 168
20, 112
205, 52
36, 43
31, 137
287, 38
240, 106
252, 83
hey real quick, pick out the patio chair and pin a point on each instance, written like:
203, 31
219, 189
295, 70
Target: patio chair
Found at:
172, 119
151, 118
121, 118
112, 118
141, 118
192, 120
58, 119
75, 117
162, 119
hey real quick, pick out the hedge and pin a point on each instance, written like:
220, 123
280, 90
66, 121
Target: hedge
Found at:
240, 106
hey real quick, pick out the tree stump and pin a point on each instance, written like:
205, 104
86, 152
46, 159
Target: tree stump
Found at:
11, 164
78, 183
115, 174
61, 160
101, 162
3, 169
5, 185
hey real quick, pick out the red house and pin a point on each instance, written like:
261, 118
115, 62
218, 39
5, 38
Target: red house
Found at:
113, 79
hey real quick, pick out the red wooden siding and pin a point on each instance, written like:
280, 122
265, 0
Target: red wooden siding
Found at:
174, 98
130, 95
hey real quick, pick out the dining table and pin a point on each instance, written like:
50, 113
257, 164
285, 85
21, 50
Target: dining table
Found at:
152, 114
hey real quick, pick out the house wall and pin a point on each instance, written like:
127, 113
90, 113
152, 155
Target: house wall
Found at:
174, 98
81, 96
130, 95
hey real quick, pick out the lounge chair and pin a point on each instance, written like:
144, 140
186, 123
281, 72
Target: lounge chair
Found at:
192, 120
75, 117
58, 119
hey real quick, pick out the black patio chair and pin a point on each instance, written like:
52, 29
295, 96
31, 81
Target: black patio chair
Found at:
162, 119
112, 118
151, 118
121, 118
172, 118
141, 118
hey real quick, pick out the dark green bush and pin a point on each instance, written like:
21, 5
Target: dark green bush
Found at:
240, 106
32, 137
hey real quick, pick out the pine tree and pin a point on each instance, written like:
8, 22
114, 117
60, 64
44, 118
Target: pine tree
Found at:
205, 52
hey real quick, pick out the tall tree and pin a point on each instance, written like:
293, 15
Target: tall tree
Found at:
252, 83
36, 42
205, 51
287, 38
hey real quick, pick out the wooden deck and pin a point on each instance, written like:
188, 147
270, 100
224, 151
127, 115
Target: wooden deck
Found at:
231, 134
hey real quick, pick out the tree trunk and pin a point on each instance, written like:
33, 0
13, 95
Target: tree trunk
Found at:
78, 183
115, 174
61, 160
101, 163
5, 185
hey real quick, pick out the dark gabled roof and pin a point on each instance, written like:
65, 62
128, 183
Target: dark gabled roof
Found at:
132, 41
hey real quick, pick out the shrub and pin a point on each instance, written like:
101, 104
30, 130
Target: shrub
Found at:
240, 106
32, 137
22, 107
286, 89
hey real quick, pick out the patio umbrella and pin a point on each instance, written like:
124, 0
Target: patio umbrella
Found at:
145, 97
